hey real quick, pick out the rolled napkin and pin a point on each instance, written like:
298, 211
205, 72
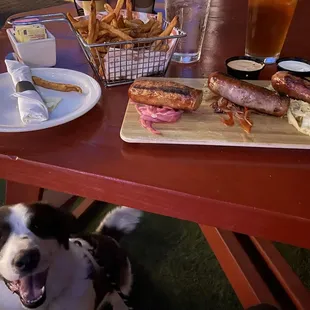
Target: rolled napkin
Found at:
32, 108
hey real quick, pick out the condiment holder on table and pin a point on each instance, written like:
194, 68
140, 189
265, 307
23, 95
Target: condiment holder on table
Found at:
33, 43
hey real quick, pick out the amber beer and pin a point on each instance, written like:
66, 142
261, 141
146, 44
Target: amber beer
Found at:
268, 24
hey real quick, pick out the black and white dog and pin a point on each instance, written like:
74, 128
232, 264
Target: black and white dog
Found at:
42, 267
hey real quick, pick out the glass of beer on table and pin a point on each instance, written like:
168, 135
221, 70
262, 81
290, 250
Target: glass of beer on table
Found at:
85, 5
268, 24
192, 18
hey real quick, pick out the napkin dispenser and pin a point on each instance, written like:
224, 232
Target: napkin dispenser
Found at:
36, 53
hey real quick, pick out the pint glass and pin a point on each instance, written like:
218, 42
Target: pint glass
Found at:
192, 16
268, 24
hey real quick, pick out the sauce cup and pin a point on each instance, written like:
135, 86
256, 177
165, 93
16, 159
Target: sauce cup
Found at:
244, 67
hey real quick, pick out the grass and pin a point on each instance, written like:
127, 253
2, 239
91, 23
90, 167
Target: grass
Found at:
174, 268
298, 259
180, 270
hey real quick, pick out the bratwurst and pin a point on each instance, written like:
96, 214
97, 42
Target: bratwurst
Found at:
292, 86
248, 95
165, 94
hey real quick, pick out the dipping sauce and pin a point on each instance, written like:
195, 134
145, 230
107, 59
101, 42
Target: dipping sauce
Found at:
245, 65
293, 65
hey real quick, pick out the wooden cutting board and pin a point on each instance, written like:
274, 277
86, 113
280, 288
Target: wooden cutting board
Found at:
206, 128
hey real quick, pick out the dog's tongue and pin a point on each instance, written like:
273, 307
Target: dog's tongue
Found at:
31, 287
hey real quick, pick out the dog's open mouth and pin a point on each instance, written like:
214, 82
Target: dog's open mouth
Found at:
31, 289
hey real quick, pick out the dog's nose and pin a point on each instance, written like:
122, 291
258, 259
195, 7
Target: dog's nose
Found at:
27, 260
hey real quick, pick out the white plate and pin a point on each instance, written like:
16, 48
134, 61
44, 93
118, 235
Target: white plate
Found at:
72, 105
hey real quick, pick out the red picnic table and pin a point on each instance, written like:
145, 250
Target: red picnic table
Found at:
261, 193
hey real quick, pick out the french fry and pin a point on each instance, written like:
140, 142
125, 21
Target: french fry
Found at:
92, 23
132, 32
114, 23
170, 27
162, 47
71, 19
103, 39
129, 9
108, 8
102, 33
111, 35
120, 22
118, 7
96, 31
126, 30
129, 24
116, 31
82, 30
155, 31
116, 40
140, 35
148, 26
102, 49
160, 19
108, 18
56, 86
77, 24
101, 71
137, 21
84, 36
166, 32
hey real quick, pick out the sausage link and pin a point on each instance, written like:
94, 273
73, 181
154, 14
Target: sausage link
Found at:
292, 86
248, 95
165, 93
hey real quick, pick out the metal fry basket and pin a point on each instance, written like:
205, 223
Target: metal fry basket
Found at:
117, 63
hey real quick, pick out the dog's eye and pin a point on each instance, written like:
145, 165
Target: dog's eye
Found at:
77, 242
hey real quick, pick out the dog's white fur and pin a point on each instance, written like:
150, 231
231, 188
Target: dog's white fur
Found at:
22, 238
123, 218
68, 287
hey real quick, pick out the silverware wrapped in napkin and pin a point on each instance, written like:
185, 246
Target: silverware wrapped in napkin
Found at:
31, 106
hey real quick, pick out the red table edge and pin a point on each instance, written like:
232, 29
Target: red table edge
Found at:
148, 198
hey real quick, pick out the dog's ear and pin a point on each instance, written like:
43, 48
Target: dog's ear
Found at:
48, 222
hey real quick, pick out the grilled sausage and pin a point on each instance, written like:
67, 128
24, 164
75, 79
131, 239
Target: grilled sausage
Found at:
248, 95
165, 93
292, 86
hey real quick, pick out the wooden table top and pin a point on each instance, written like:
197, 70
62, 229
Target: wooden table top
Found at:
261, 192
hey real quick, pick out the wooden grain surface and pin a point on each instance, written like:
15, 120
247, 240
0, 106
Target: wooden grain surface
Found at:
204, 127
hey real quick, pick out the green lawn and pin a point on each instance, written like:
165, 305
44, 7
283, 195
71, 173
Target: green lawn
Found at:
174, 267
298, 259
